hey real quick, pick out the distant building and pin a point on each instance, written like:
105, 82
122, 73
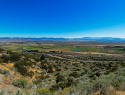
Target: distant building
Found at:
25, 50
30, 50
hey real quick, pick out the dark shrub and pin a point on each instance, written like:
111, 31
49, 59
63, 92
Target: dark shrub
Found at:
63, 85
31, 73
9, 52
21, 68
54, 88
22, 83
50, 69
5, 58
74, 74
14, 57
42, 57
43, 65
4, 71
70, 81
39, 79
60, 78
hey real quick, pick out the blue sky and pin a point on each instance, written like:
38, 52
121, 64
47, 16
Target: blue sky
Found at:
62, 18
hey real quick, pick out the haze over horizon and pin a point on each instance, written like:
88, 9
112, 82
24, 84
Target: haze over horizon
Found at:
62, 18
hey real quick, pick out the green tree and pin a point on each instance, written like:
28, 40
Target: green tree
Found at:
42, 57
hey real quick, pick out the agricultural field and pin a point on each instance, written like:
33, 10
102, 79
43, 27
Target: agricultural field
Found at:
99, 47
62, 68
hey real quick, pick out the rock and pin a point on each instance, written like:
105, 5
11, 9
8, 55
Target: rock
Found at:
53, 83
34, 80
1, 78
32, 86
9, 73
43, 72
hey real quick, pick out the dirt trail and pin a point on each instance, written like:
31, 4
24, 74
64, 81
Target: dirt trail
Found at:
98, 53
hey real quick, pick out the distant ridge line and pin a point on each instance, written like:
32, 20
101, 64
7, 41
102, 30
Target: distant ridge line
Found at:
21, 39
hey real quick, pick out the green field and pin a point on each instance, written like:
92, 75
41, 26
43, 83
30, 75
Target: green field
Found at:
17, 47
85, 49
29, 46
12, 49
46, 47
57, 46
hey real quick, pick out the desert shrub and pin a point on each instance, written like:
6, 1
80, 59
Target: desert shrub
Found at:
118, 83
76, 69
26, 59
70, 81
57, 74
31, 73
26, 63
41, 85
66, 68
71, 90
22, 83
60, 78
92, 75
39, 79
74, 74
21, 68
120, 72
50, 69
44, 91
5, 58
9, 52
14, 57
107, 72
122, 64
96, 85
1, 49
31, 86
63, 85
22, 92
58, 69
113, 69
79, 90
82, 73
88, 90
110, 64
54, 87
98, 74
105, 89
4, 91
0, 61
86, 71
5, 72
43, 65
64, 91
34, 63
37, 59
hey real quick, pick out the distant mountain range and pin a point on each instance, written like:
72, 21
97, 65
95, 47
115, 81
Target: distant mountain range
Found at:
21, 39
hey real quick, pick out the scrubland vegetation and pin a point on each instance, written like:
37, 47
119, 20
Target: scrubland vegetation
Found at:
62, 73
